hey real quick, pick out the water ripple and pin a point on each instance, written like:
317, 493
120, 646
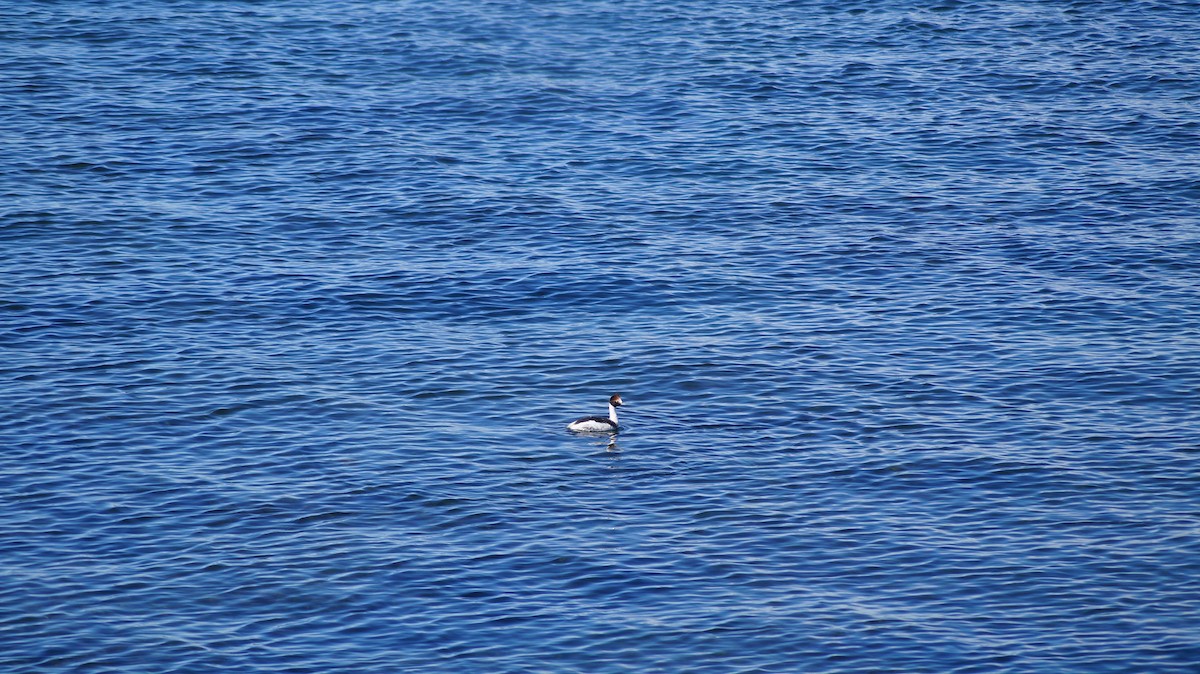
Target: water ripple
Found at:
901, 299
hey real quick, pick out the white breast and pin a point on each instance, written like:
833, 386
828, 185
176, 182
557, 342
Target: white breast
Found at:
590, 425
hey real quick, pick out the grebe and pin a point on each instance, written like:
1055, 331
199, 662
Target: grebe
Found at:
593, 424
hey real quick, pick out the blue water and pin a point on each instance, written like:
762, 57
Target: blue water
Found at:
903, 299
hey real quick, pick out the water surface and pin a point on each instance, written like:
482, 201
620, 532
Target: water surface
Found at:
297, 299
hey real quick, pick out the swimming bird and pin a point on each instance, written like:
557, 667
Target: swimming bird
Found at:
601, 424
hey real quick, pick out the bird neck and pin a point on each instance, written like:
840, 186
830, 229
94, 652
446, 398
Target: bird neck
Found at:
612, 413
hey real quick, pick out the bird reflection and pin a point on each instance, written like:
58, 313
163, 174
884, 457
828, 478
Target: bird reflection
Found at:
608, 441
